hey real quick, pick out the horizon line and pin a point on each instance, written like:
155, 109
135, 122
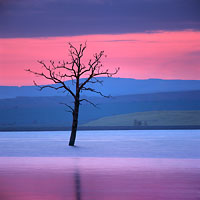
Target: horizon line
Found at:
162, 79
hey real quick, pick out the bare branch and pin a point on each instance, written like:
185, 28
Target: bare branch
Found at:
95, 91
90, 102
73, 48
38, 74
71, 109
94, 70
47, 86
52, 77
74, 70
95, 80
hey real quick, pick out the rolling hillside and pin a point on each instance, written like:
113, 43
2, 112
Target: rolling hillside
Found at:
111, 86
47, 111
151, 118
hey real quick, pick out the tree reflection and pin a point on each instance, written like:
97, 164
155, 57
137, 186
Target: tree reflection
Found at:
77, 184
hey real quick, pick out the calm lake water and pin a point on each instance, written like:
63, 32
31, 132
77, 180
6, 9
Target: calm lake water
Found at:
105, 165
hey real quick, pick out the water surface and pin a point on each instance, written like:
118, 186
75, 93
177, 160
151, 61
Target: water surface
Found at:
127, 143
104, 165
99, 178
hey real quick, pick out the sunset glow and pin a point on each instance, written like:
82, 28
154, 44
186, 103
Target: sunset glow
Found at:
166, 55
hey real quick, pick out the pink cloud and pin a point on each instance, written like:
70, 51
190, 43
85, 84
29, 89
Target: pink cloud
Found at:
167, 55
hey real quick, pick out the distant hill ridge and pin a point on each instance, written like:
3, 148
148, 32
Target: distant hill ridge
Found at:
150, 118
111, 86
41, 112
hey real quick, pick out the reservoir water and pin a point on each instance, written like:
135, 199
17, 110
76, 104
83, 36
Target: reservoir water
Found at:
110, 165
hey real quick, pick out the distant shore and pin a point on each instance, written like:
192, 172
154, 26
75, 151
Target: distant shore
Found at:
41, 128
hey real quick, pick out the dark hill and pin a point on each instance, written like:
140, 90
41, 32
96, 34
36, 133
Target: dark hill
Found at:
48, 112
112, 86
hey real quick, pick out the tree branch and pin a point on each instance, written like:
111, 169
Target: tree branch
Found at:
71, 109
52, 78
90, 102
95, 91
74, 70
47, 86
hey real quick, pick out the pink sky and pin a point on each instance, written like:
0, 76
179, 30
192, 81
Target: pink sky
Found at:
166, 55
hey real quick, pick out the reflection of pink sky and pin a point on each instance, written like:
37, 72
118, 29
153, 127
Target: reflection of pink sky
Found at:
167, 55
50, 178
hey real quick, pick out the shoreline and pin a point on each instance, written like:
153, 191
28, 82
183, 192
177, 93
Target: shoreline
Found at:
87, 128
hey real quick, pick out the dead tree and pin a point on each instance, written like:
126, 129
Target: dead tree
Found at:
75, 70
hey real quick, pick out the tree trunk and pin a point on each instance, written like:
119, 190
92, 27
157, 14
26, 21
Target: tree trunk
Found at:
74, 123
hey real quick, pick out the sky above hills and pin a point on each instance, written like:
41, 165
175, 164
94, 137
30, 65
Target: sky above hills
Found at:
145, 38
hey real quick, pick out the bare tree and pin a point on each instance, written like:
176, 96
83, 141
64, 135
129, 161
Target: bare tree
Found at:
75, 69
